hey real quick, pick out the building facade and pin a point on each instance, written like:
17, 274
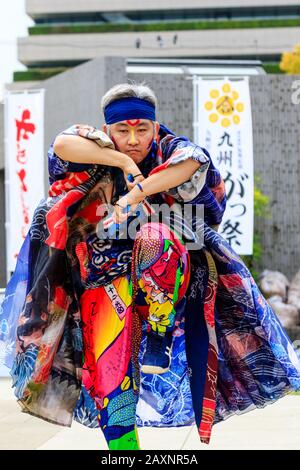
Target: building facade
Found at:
69, 32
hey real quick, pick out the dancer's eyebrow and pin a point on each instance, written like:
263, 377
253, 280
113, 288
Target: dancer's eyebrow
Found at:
143, 123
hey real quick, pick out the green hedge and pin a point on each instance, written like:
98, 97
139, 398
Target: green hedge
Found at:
162, 26
37, 74
272, 67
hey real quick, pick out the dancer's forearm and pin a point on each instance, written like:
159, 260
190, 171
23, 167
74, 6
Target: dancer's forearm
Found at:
77, 149
164, 180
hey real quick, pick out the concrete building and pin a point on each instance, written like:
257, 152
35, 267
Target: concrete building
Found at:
117, 10
67, 33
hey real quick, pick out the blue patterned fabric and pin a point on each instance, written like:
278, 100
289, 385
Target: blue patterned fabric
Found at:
257, 363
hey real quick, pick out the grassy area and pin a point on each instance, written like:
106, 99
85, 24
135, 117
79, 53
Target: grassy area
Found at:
37, 73
161, 26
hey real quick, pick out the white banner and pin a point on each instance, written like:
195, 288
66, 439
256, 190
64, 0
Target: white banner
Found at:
24, 166
223, 125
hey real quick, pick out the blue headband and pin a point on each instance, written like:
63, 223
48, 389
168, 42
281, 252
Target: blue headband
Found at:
128, 109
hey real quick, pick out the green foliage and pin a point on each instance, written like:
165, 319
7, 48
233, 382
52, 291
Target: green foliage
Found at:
162, 26
32, 74
272, 67
261, 201
261, 210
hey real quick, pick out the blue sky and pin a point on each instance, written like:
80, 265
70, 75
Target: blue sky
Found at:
13, 23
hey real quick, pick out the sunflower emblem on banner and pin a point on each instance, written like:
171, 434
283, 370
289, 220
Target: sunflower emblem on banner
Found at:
225, 107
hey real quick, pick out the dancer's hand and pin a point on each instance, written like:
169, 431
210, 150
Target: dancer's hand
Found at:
84, 129
125, 206
131, 168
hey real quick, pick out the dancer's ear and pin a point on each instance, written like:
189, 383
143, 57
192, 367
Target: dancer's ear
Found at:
106, 129
156, 129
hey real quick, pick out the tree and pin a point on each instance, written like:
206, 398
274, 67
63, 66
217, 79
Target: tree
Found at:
290, 61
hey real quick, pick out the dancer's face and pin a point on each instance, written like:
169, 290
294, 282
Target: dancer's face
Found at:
133, 137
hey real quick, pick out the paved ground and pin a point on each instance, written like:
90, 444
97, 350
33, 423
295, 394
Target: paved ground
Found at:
275, 427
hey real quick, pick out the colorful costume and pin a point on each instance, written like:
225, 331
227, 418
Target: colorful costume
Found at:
78, 302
